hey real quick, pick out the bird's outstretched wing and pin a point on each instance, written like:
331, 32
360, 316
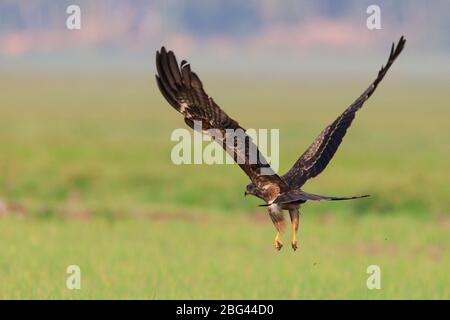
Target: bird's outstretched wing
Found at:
183, 89
314, 160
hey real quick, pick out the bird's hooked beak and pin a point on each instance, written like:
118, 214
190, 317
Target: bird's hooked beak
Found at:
245, 193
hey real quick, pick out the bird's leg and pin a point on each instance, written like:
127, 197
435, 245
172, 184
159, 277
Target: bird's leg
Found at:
276, 214
295, 220
278, 243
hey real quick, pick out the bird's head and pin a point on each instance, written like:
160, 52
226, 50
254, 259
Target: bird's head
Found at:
253, 190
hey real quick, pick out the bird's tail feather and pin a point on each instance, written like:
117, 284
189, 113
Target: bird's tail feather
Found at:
298, 195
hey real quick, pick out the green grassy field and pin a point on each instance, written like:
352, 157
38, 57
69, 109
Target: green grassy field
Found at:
86, 179
195, 257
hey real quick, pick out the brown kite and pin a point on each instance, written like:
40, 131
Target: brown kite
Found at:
184, 91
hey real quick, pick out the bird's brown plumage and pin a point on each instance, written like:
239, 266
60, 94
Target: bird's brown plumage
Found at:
184, 91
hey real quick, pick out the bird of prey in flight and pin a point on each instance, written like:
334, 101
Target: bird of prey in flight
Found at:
184, 91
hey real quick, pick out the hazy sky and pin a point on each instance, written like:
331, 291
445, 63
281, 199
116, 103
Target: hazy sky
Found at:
247, 36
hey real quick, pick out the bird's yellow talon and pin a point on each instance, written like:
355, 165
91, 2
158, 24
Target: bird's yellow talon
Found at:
278, 245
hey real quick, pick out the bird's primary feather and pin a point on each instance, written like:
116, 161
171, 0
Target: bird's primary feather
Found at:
315, 159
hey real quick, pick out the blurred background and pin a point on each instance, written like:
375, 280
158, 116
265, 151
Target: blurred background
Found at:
85, 170
295, 37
